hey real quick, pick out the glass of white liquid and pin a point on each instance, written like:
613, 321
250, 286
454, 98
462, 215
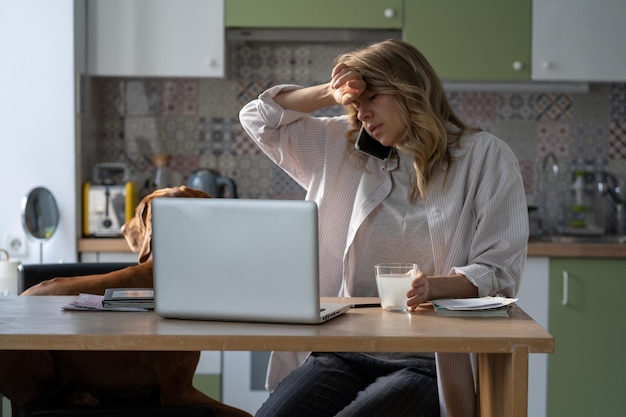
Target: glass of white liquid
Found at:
394, 281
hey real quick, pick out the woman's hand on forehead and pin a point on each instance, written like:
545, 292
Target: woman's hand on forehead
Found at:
346, 84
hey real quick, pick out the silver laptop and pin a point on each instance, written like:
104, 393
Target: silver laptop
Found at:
237, 259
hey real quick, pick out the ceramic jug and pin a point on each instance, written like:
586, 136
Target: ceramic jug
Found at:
8, 274
212, 183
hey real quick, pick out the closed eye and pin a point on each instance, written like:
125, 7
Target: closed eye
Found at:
364, 97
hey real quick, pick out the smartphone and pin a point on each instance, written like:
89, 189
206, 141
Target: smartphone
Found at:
367, 144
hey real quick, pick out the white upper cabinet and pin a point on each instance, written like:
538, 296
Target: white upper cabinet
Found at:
579, 40
155, 38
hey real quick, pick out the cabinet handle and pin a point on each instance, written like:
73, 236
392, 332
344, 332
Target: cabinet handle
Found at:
564, 300
389, 13
517, 65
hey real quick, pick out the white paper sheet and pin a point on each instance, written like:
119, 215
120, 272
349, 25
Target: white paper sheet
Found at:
482, 303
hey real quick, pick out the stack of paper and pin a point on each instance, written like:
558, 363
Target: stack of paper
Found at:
473, 307
92, 302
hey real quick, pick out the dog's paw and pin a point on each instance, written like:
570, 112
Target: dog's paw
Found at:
54, 286
82, 399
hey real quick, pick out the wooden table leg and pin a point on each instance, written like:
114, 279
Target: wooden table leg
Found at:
503, 383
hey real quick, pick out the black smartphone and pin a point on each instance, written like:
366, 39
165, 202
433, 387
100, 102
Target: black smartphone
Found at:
369, 145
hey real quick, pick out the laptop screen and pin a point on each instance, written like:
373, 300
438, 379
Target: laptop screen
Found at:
236, 259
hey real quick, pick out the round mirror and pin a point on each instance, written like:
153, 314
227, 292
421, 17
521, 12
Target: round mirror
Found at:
40, 214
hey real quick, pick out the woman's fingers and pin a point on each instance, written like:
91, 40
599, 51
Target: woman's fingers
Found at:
337, 69
419, 292
346, 84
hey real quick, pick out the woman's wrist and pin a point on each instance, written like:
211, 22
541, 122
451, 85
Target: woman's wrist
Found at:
453, 286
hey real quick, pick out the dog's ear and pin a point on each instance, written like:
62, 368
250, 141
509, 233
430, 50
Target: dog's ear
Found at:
144, 214
145, 251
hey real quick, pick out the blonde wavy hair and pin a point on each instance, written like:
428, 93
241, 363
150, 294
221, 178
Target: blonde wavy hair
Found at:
397, 68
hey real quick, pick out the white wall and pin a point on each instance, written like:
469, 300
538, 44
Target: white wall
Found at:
37, 122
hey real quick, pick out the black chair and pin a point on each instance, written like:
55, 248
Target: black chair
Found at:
139, 406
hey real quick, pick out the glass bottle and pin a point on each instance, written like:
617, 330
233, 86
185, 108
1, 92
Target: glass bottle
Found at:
579, 208
164, 176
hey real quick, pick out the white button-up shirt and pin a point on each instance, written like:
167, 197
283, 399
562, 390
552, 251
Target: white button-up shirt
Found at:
477, 215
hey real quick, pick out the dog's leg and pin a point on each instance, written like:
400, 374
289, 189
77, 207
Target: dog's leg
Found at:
174, 373
136, 276
26, 376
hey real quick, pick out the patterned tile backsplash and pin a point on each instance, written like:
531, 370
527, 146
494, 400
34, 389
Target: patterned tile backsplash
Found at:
196, 120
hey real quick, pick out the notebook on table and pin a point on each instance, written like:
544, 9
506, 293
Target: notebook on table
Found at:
238, 260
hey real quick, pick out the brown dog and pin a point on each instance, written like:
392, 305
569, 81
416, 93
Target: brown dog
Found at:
138, 234
26, 377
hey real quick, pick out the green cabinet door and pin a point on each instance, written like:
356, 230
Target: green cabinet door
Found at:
587, 370
472, 40
343, 14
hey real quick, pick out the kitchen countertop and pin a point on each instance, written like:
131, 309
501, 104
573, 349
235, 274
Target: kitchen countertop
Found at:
577, 250
535, 248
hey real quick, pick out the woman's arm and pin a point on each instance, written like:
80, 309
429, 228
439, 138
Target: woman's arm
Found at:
306, 100
345, 86
453, 286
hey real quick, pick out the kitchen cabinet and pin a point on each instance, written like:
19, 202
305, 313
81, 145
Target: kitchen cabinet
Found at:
579, 40
344, 14
488, 40
208, 376
105, 250
463, 40
586, 370
533, 298
243, 380
155, 38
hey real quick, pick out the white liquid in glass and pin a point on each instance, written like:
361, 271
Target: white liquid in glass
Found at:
392, 289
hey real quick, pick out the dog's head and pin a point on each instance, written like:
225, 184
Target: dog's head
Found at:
138, 230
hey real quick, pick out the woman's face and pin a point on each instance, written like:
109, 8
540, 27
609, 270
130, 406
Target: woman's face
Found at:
381, 116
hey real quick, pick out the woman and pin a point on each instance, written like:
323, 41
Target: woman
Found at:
450, 199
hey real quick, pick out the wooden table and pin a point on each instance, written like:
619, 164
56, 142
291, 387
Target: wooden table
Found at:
502, 344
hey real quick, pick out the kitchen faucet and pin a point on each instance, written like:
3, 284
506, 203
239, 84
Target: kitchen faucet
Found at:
547, 216
555, 163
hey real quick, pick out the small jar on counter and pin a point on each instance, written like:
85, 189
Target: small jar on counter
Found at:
163, 176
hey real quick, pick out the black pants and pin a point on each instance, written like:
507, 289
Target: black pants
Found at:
355, 384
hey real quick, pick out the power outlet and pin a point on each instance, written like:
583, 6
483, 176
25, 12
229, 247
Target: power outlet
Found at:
15, 244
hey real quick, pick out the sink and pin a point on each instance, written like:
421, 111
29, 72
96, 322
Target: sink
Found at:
606, 239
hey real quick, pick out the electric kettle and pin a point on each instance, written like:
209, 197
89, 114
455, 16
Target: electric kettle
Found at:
212, 183
8, 275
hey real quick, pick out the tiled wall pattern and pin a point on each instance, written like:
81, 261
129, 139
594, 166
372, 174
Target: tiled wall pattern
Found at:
129, 119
